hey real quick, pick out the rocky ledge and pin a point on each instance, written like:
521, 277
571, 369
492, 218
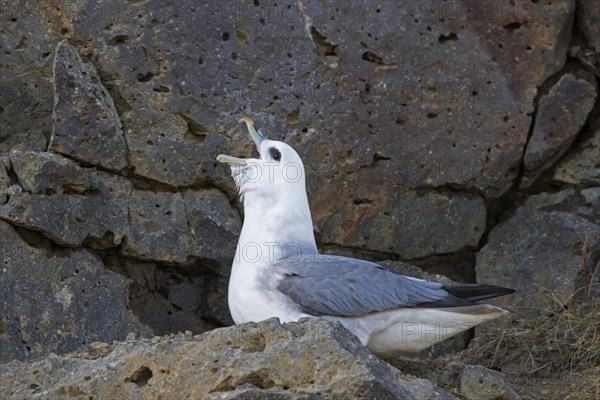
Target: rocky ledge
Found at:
308, 359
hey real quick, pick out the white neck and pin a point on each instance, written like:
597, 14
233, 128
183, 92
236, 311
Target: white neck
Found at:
273, 230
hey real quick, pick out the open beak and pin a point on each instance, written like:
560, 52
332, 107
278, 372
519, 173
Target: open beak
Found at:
257, 137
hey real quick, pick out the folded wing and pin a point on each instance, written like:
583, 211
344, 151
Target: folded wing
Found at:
343, 286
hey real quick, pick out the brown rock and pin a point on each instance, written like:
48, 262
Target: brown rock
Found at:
388, 110
402, 138
409, 224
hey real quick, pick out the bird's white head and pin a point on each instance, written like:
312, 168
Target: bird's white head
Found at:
273, 191
278, 175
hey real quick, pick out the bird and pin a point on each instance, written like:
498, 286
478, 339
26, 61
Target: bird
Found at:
277, 270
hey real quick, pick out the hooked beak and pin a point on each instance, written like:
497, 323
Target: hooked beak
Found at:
257, 137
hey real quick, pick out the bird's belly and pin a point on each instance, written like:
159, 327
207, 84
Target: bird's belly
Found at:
251, 301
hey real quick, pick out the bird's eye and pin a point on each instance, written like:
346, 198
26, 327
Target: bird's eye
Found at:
275, 154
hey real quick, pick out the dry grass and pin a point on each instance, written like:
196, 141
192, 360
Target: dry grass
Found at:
560, 348
588, 387
564, 337
554, 355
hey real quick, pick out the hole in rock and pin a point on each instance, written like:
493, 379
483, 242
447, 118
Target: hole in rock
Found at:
141, 376
450, 37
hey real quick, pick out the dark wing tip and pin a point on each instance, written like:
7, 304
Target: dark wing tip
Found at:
476, 292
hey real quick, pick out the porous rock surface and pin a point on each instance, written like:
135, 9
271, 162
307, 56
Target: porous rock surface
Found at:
305, 360
63, 300
542, 246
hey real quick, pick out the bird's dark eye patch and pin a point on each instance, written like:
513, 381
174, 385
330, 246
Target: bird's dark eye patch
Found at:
275, 154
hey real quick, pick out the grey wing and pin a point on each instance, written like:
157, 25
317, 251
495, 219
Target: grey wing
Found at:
334, 285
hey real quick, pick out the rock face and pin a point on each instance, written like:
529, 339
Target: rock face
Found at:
542, 245
4, 183
588, 16
562, 112
30, 32
67, 203
173, 104
171, 149
158, 227
86, 123
478, 383
214, 226
75, 206
581, 165
76, 303
303, 360
407, 229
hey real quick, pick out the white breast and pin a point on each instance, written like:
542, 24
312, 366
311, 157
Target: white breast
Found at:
253, 295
